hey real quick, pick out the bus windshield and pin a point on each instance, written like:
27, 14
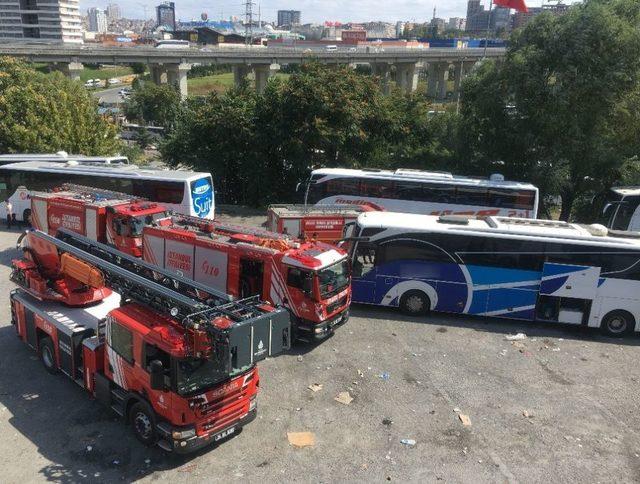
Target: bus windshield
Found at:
333, 279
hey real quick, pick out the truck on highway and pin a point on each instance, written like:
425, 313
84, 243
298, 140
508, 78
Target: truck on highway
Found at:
175, 359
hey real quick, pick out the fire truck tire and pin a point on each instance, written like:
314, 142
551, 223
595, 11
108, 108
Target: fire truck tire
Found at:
415, 303
143, 423
48, 355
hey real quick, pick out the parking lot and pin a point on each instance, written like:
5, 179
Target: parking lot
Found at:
560, 405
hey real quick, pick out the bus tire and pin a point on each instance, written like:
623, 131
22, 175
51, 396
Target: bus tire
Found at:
143, 423
26, 217
415, 303
618, 323
48, 355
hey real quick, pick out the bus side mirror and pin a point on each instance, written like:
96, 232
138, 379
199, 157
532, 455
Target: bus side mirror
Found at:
298, 186
157, 375
606, 208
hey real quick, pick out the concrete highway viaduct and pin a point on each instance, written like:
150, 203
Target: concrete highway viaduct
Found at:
172, 65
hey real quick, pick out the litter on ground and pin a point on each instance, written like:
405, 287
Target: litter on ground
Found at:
344, 397
466, 421
301, 439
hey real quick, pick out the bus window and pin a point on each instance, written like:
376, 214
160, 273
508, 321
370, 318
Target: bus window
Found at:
365, 259
440, 193
623, 216
167, 192
409, 191
415, 250
471, 196
343, 186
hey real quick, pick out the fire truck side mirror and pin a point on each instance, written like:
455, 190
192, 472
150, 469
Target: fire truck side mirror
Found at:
157, 375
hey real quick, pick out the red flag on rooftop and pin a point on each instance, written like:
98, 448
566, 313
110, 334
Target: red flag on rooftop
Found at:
518, 5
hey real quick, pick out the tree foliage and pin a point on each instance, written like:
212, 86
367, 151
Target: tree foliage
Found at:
48, 113
560, 110
259, 146
153, 104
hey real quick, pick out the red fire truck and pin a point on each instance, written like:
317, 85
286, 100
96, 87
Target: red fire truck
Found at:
318, 222
174, 358
312, 279
102, 215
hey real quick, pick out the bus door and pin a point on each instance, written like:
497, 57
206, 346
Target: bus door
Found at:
567, 292
363, 282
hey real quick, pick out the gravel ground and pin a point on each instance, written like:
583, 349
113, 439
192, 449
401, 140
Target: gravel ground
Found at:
560, 405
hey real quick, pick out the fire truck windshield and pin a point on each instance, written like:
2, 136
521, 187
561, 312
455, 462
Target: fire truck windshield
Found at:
333, 279
138, 223
196, 375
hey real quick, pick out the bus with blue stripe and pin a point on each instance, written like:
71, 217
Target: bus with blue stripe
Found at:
536, 270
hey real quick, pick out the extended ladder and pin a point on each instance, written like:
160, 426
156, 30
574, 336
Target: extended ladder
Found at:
186, 301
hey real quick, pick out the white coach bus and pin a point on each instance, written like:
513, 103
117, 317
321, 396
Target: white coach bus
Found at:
620, 210
538, 270
423, 192
185, 192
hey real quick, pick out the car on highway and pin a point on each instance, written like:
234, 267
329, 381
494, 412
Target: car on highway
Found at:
114, 80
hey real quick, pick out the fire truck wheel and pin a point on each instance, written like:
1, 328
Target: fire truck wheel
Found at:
415, 303
143, 423
48, 355
617, 323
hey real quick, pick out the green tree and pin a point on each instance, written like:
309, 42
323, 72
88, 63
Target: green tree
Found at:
550, 112
138, 68
154, 104
49, 112
258, 147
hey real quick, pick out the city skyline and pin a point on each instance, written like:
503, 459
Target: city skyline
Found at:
313, 11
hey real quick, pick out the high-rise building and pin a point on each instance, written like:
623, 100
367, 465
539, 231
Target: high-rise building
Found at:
113, 12
520, 19
166, 16
289, 18
47, 20
399, 28
480, 20
97, 20
456, 23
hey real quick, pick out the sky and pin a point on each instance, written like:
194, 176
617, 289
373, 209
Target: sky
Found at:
315, 11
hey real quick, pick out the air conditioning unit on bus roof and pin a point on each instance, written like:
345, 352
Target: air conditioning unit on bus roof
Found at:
422, 173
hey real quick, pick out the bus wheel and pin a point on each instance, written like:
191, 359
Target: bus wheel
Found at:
617, 323
415, 303
26, 217
143, 423
48, 355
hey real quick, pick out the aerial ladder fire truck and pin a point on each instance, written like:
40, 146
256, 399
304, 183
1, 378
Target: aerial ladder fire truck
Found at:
310, 278
102, 215
175, 358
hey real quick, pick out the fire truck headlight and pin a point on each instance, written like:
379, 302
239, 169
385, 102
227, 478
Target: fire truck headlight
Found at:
252, 404
183, 434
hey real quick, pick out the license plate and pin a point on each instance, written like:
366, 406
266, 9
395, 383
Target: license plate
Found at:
224, 434
335, 322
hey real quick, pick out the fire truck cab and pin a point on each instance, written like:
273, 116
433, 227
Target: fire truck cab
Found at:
103, 216
311, 279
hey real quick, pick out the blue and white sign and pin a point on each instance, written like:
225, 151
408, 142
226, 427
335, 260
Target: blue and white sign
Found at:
202, 196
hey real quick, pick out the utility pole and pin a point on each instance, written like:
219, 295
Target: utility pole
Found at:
248, 22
